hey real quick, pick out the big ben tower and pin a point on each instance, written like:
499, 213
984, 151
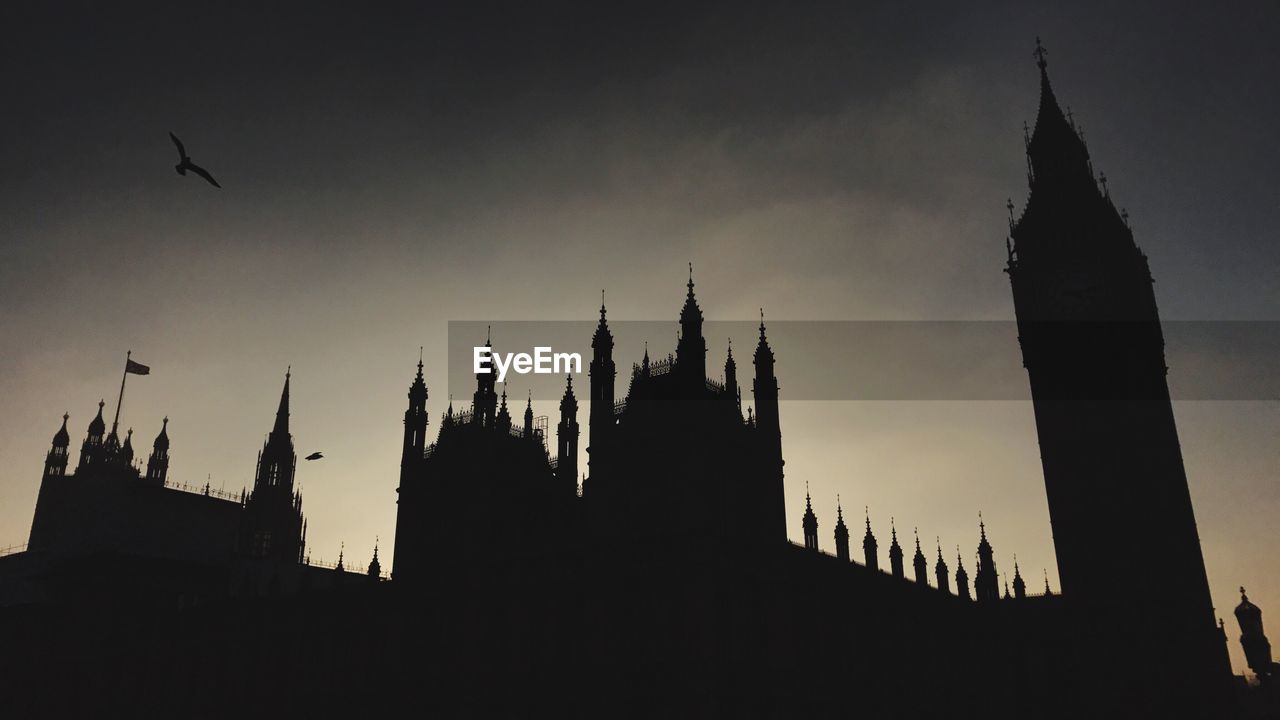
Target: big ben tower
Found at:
1123, 528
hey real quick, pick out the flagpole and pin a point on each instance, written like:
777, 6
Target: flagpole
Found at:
115, 423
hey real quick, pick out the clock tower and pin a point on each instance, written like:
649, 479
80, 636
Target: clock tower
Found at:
1123, 528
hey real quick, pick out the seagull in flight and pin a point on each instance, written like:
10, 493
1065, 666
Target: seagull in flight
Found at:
185, 164
314, 456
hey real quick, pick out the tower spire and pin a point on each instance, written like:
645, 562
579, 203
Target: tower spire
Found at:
869, 542
282, 413
918, 562
842, 533
809, 522
895, 550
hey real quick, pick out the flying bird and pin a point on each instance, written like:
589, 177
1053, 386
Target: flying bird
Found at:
314, 456
185, 163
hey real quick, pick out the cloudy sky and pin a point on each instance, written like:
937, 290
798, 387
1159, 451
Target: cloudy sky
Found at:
387, 170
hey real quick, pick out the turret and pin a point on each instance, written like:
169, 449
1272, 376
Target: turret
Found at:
769, 432
527, 432
918, 562
940, 571
691, 350
895, 551
1019, 586
567, 439
603, 374
731, 389
962, 578
1257, 649
869, 545
375, 567
158, 463
55, 463
842, 533
986, 581
415, 424
92, 450
126, 450
485, 400
809, 522
502, 423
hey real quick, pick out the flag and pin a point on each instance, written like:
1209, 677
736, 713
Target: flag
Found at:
136, 368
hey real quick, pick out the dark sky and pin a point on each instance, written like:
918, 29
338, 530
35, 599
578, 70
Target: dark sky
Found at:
389, 168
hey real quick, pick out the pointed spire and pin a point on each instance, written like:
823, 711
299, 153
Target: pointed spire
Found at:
690, 314
602, 337
869, 544
1056, 149
341, 550
1019, 585
809, 522
375, 567
1047, 591
282, 413
568, 401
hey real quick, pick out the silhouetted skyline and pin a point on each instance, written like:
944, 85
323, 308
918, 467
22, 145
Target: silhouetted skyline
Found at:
388, 171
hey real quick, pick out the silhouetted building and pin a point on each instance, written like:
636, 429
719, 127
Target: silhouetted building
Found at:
1094, 352
666, 586
110, 530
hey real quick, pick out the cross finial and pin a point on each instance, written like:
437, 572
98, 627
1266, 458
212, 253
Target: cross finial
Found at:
1040, 53
488, 334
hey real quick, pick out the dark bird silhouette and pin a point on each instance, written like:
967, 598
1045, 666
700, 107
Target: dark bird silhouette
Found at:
185, 164
314, 456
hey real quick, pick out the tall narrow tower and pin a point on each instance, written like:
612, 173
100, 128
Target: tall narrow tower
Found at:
869, 554
567, 439
600, 422
484, 403
691, 350
809, 523
415, 426
1094, 352
895, 552
273, 512
769, 427
986, 581
842, 534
